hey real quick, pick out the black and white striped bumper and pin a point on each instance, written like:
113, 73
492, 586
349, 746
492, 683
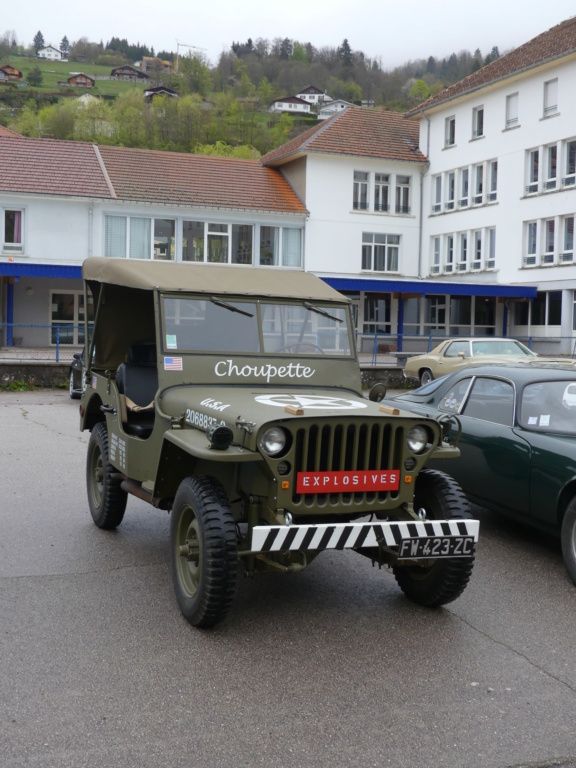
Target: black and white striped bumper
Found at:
284, 538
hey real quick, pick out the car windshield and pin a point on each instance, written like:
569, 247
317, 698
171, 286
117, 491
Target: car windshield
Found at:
220, 324
500, 347
549, 406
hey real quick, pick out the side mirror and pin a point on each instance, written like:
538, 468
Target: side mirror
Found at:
462, 355
377, 393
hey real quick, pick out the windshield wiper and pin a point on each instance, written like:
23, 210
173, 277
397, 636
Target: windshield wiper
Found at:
319, 311
231, 307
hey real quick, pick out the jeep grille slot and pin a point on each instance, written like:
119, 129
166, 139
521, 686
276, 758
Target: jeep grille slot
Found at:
370, 445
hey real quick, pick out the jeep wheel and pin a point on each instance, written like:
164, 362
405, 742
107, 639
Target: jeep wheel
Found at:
203, 551
442, 498
106, 498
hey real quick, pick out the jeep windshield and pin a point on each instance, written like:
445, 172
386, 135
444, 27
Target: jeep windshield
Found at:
254, 327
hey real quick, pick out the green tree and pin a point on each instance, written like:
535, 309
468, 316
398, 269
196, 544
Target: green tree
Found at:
27, 122
128, 119
38, 41
264, 92
196, 75
35, 76
65, 47
352, 91
419, 91
57, 121
299, 53
345, 53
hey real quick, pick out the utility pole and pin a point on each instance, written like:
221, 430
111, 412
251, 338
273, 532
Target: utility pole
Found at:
184, 45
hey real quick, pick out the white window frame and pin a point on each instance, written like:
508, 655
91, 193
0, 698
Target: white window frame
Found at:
437, 205
490, 262
531, 248
450, 190
436, 256
360, 196
381, 192
532, 171
450, 131
464, 185
551, 97
492, 195
567, 252
13, 248
381, 245
569, 148
477, 253
462, 265
449, 254
478, 122
549, 249
512, 103
478, 197
551, 167
403, 194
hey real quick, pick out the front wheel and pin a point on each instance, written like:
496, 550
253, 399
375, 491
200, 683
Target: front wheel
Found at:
426, 377
203, 551
568, 539
442, 499
106, 498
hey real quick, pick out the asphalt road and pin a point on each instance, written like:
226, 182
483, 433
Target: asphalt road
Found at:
331, 667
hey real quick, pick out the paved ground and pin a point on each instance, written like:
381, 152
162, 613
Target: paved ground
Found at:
332, 667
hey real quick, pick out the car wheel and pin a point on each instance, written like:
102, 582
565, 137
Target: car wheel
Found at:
74, 394
106, 498
568, 539
203, 551
434, 585
426, 376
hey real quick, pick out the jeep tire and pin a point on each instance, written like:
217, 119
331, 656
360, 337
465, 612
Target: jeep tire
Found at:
106, 498
434, 585
203, 551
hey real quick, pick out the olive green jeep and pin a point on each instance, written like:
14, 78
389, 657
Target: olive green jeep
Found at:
231, 397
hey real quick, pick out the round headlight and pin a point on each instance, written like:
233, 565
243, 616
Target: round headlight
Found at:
417, 439
273, 441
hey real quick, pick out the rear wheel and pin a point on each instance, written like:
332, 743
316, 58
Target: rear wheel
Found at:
73, 392
106, 498
426, 376
442, 499
203, 551
568, 538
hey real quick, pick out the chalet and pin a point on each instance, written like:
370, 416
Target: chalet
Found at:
291, 104
127, 72
154, 64
49, 52
159, 90
313, 95
8, 72
80, 80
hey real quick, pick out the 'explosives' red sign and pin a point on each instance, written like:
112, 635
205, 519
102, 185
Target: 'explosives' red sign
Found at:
348, 482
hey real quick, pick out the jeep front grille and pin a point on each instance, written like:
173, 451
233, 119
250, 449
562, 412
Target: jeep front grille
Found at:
372, 445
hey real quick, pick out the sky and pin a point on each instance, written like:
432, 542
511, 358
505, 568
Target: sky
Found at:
390, 31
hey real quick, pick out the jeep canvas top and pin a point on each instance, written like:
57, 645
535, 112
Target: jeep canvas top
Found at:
231, 397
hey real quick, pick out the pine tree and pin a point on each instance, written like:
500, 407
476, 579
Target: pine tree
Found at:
38, 41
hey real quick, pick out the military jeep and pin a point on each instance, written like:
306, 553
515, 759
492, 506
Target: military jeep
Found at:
231, 397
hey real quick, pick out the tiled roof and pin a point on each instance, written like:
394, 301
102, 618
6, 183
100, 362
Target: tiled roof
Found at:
47, 166
291, 100
7, 132
50, 167
145, 175
359, 132
553, 44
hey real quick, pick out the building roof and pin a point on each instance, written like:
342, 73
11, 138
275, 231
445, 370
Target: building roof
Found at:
291, 100
358, 132
72, 168
195, 180
311, 89
7, 132
557, 42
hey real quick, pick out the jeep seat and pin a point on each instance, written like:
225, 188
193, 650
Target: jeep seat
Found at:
137, 381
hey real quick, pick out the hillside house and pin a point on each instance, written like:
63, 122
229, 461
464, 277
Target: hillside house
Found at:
80, 80
332, 107
313, 95
8, 73
154, 64
159, 90
49, 52
126, 72
291, 104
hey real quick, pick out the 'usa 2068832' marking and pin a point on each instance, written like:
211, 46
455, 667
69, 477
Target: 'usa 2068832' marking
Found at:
202, 420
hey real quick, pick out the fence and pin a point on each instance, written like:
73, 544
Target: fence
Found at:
30, 342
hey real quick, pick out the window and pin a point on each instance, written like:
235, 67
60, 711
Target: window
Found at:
192, 241
218, 241
549, 230
464, 177
12, 241
435, 268
450, 190
570, 151
381, 191
269, 246
435, 314
512, 110
531, 243
551, 97
491, 260
139, 238
377, 313
477, 255
360, 197
478, 122
242, 243
280, 246
402, 194
533, 171
450, 132
463, 256
551, 157
493, 193
67, 317
546, 309
449, 262
478, 184
380, 252
437, 194
567, 253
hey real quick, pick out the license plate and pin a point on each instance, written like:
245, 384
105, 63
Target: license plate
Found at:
433, 547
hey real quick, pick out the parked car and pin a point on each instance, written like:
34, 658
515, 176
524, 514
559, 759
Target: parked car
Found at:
454, 354
75, 375
517, 442
232, 397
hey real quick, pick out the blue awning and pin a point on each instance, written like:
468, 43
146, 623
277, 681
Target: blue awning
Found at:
426, 287
18, 269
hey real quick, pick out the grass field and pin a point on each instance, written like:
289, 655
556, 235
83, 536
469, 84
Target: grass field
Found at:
54, 72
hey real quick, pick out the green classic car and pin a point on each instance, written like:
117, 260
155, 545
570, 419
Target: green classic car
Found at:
517, 442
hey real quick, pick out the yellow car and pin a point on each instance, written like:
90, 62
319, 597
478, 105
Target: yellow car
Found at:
453, 354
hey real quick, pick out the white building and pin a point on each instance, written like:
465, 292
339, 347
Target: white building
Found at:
500, 197
49, 52
291, 104
332, 107
314, 95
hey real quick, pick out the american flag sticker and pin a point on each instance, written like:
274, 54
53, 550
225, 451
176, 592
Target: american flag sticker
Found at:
172, 363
